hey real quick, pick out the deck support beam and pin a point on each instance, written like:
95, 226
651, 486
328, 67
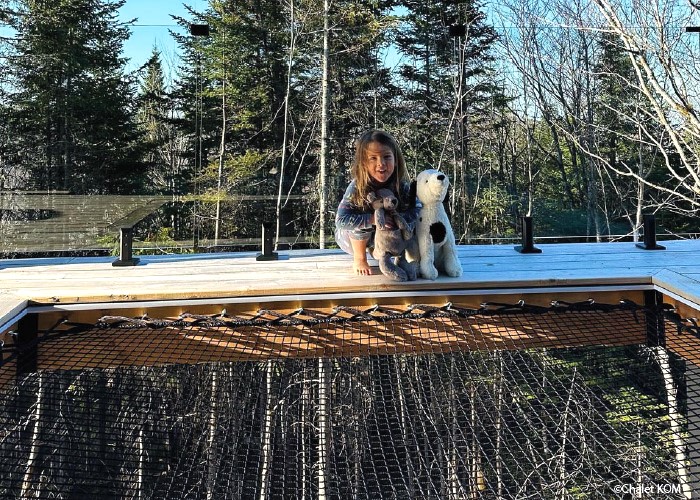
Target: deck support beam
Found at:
656, 333
26, 342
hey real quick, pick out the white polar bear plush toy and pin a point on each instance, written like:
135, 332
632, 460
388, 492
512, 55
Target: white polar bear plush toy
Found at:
436, 240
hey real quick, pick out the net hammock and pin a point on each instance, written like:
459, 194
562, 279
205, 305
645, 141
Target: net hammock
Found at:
578, 400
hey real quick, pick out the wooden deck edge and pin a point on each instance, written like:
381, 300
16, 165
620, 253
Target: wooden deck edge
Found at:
194, 342
678, 287
11, 310
683, 293
442, 286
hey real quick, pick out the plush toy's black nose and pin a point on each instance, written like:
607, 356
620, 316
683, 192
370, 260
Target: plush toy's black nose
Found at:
441, 177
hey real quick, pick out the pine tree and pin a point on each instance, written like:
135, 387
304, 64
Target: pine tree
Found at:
71, 100
448, 88
237, 76
445, 43
155, 125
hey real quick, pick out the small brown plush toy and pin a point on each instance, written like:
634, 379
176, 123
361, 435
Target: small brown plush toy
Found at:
392, 241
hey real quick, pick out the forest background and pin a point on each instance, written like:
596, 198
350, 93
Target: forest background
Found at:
581, 114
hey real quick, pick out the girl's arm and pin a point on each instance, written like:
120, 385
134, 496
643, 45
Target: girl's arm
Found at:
350, 216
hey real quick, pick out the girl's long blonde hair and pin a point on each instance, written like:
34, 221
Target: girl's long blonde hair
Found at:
360, 173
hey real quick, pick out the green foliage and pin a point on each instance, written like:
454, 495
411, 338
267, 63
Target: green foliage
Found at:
237, 170
70, 95
552, 219
492, 214
242, 116
159, 242
110, 242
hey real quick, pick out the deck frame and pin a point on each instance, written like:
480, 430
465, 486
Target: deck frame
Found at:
83, 289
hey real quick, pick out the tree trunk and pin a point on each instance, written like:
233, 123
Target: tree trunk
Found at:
564, 435
283, 159
305, 408
323, 174
266, 458
30, 474
323, 424
222, 150
405, 424
452, 476
499, 423
675, 419
211, 440
140, 494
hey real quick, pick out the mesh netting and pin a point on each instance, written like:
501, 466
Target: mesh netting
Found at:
570, 401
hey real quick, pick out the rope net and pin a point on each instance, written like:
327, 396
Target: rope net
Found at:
506, 401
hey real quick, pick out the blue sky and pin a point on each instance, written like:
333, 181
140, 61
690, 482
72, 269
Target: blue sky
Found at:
152, 27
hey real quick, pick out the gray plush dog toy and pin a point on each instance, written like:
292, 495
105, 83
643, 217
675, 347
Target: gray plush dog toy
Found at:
392, 243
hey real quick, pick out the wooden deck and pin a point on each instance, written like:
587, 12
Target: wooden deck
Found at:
325, 275
84, 289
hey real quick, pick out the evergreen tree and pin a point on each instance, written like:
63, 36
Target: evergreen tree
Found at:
444, 43
235, 79
155, 124
448, 89
259, 75
232, 81
362, 91
71, 102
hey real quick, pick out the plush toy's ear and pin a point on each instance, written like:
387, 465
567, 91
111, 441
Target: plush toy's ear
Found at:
412, 194
371, 197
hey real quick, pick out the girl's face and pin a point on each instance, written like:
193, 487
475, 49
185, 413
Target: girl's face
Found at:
379, 161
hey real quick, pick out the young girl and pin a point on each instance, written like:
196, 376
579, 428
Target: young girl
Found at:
378, 163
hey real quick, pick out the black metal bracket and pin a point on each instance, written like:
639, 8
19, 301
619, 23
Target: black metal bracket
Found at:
656, 331
126, 243
650, 234
267, 244
528, 245
26, 343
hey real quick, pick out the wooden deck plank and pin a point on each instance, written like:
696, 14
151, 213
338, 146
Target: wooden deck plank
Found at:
342, 266
626, 259
84, 280
678, 283
62, 288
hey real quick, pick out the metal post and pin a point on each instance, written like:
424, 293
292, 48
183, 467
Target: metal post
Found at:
267, 244
26, 342
656, 333
650, 234
528, 245
126, 241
